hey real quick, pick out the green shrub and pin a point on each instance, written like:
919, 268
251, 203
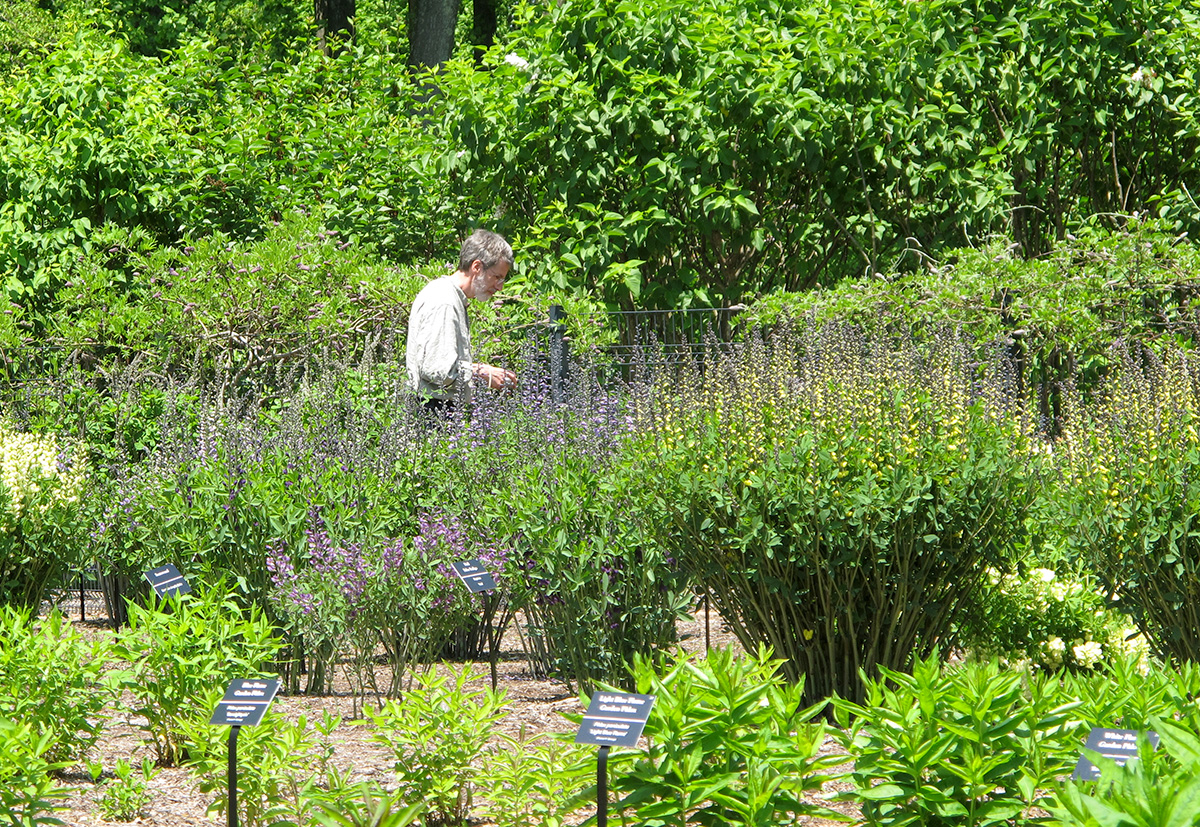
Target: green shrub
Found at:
25, 27
177, 650
839, 500
1126, 692
671, 153
535, 781
283, 770
28, 792
971, 745
1130, 494
436, 735
728, 742
87, 139
595, 585
125, 795
53, 680
278, 299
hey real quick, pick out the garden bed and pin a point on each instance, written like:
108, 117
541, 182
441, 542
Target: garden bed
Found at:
534, 706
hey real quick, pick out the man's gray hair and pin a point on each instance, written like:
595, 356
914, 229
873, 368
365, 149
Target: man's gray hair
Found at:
486, 247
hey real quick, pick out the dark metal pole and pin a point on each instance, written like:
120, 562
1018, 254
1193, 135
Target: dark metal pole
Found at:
81, 596
707, 641
558, 353
602, 787
493, 637
232, 819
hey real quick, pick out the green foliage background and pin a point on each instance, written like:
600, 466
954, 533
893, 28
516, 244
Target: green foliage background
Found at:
653, 154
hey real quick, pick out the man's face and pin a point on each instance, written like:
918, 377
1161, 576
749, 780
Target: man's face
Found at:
487, 283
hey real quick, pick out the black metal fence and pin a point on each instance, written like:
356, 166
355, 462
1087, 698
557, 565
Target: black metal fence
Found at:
669, 337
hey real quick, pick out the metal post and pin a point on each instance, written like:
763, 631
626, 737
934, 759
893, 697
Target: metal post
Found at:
493, 638
559, 353
602, 787
81, 618
707, 638
232, 819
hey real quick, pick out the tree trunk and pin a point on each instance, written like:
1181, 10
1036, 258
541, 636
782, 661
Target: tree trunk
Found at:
334, 19
431, 31
484, 35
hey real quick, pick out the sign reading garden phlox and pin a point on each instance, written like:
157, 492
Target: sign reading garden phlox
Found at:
1118, 744
614, 719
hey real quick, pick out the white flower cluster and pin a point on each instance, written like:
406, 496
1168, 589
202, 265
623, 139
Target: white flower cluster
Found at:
1088, 653
1131, 642
1053, 651
33, 465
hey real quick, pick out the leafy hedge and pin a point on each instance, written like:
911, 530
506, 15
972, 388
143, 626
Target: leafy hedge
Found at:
656, 154
673, 152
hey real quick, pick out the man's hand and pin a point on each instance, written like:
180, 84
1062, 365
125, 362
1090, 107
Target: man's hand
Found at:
495, 377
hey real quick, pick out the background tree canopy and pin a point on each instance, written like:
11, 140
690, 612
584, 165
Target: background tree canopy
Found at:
651, 154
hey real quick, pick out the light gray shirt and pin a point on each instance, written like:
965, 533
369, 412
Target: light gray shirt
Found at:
439, 342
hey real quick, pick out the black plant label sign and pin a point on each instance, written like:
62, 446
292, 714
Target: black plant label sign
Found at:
245, 702
474, 576
614, 719
1118, 744
166, 581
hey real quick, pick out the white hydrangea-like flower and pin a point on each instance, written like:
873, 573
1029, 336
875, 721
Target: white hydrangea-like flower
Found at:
1053, 651
1088, 653
514, 59
1045, 575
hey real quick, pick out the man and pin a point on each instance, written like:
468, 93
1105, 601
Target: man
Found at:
440, 366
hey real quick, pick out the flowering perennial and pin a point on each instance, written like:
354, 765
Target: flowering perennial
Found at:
35, 469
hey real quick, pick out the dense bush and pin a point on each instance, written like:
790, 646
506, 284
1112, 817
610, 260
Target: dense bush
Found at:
972, 746
840, 501
975, 745
176, 651
728, 742
86, 140
284, 774
672, 153
1129, 496
435, 736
